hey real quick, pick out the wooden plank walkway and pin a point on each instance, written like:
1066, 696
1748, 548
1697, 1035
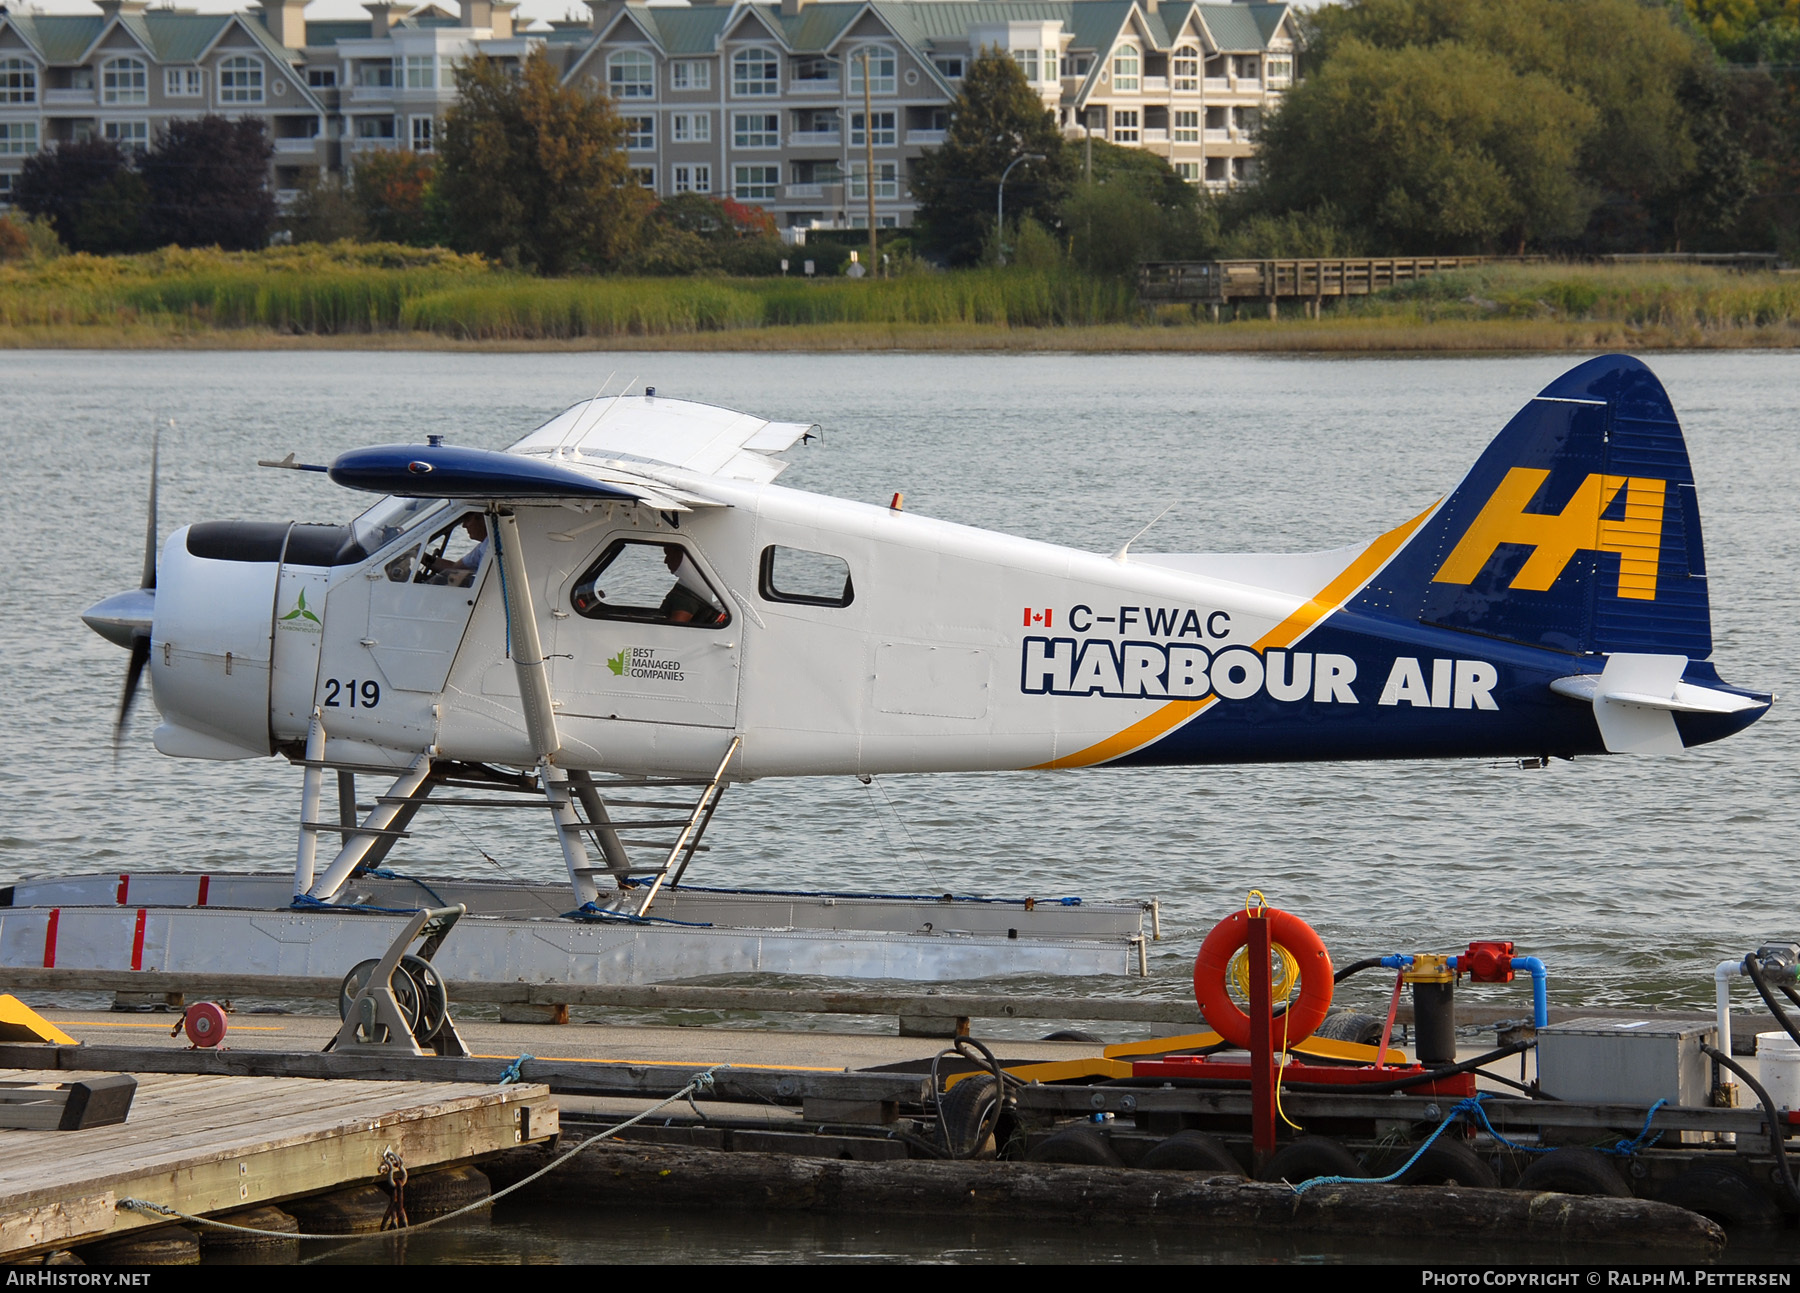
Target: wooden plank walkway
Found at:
208, 1144
1216, 283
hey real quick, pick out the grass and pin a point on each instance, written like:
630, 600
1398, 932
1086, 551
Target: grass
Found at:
401, 297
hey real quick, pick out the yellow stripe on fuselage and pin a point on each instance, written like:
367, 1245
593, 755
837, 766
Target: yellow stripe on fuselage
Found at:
1322, 603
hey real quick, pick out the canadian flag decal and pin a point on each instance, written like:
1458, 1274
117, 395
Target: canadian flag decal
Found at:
1037, 617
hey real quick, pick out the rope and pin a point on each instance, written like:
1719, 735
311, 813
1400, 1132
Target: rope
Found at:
701, 1084
515, 1070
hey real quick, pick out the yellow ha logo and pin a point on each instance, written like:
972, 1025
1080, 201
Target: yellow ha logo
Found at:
1556, 537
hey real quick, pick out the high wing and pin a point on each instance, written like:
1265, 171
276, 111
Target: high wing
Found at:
648, 436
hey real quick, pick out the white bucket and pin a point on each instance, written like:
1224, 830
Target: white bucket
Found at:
1779, 1059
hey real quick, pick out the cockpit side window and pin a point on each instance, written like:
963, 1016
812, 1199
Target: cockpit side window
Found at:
454, 554
806, 578
649, 583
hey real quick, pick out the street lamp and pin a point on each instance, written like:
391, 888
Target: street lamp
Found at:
1000, 202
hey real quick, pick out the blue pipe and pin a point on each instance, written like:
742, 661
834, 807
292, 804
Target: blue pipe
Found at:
1540, 981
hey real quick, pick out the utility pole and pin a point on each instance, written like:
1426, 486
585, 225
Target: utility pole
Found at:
869, 155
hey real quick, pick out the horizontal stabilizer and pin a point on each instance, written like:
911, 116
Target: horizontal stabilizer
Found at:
1636, 698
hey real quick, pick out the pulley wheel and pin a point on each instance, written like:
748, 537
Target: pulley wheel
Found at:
204, 1024
407, 992
434, 997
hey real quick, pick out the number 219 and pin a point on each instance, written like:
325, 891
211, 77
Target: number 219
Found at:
366, 694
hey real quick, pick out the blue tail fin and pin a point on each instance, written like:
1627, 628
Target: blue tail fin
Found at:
1577, 530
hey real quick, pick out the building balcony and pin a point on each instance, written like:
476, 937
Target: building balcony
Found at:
1216, 85
1155, 136
832, 87
1213, 136
302, 146
885, 190
1156, 85
372, 94
374, 145
811, 192
70, 98
815, 138
925, 138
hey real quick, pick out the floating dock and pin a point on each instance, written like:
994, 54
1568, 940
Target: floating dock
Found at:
211, 1145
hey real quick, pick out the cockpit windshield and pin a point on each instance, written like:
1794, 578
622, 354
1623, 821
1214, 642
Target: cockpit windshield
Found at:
389, 518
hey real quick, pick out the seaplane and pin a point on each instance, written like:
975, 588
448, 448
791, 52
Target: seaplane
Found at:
622, 615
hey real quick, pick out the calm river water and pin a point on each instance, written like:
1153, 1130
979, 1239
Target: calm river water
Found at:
1629, 877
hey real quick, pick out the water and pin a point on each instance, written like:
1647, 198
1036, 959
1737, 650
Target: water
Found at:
1629, 877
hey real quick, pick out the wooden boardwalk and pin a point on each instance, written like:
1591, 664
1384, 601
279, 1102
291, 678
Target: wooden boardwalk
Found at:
1217, 283
207, 1144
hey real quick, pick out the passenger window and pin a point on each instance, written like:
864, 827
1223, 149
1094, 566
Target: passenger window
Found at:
650, 583
808, 578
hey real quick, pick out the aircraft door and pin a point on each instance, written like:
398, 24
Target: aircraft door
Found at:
644, 632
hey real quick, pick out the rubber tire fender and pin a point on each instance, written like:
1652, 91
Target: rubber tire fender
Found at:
1352, 1026
1575, 1170
1287, 930
1725, 1194
1308, 1157
1446, 1162
966, 1107
1192, 1151
1081, 1145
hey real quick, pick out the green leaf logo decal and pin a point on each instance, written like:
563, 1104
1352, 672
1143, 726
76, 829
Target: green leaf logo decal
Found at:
300, 612
617, 662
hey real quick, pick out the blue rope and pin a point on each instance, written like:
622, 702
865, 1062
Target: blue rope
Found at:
1626, 1148
306, 902
591, 911
515, 1070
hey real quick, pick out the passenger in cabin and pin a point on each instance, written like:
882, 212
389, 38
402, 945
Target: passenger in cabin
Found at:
690, 601
458, 572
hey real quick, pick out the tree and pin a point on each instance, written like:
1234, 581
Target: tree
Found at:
533, 173
996, 117
1430, 149
324, 211
208, 183
1134, 208
390, 188
89, 194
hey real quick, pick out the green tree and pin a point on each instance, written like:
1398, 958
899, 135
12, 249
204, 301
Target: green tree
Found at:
324, 211
1430, 149
996, 117
1133, 208
208, 183
1749, 31
1644, 133
533, 173
88, 192
390, 189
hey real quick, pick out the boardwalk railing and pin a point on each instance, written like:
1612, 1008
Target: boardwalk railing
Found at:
1222, 282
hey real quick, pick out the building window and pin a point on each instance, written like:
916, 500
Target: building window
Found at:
691, 127
1281, 71
883, 66
1187, 126
884, 130
756, 183
887, 180
18, 138
241, 80
375, 128
322, 78
1189, 171
375, 76
1125, 125
640, 133
421, 71
18, 81
631, 74
6, 188
693, 179
814, 72
755, 73
756, 130
690, 74
1185, 68
1125, 68
124, 80
132, 136
181, 82
951, 67
1027, 59
644, 177
1246, 68
423, 130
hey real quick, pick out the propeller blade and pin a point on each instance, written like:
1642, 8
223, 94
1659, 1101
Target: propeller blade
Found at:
149, 544
134, 672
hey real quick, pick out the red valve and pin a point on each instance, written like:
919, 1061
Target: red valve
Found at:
1487, 962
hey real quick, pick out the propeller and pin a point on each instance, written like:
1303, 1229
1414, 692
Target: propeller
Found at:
127, 618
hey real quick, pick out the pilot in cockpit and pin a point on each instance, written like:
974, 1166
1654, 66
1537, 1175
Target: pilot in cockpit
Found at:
689, 601
458, 572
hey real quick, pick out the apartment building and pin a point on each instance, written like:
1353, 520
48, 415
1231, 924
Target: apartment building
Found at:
764, 102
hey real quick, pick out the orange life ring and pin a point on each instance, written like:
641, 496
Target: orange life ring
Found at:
1287, 930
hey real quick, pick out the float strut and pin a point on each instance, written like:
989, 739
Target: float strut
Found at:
1262, 1043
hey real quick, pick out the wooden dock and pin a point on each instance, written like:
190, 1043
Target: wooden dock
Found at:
1220, 283
206, 1144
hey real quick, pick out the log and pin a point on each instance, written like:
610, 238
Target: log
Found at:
611, 1174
